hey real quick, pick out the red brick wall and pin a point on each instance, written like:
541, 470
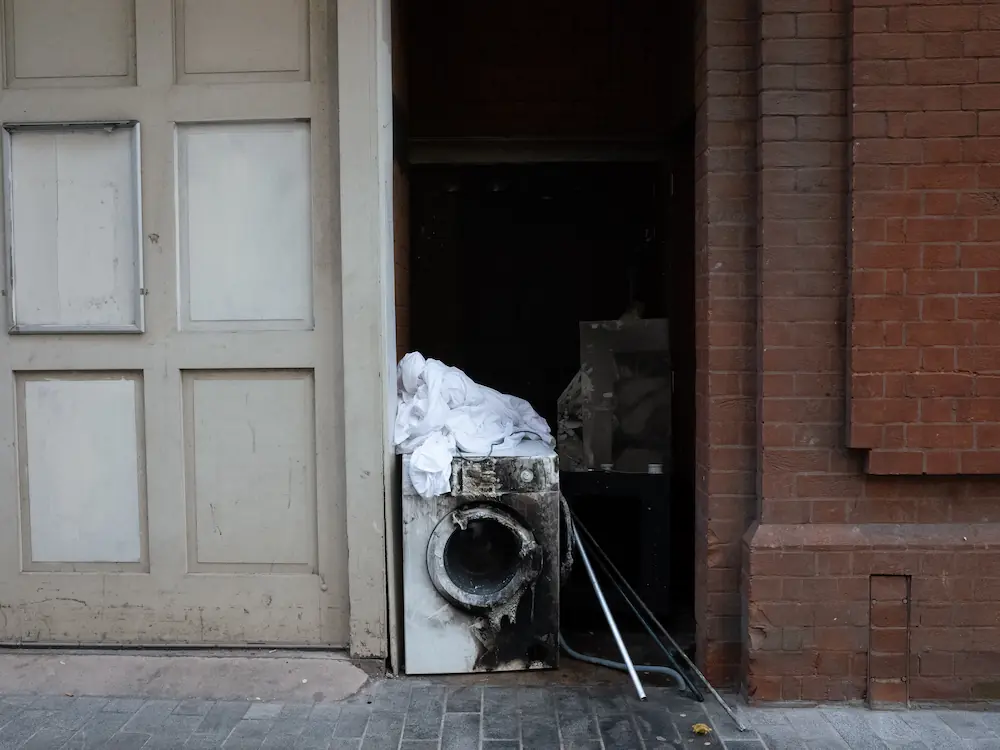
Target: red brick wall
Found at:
925, 202
815, 633
826, 525
725, 451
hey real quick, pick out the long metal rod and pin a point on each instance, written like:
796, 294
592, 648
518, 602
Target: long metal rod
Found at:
608, 616
715, 694
608, 568
685, 680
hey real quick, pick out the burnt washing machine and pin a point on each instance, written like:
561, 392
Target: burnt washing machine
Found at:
481, 568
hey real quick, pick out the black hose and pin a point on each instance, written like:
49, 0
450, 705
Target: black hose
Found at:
648, 668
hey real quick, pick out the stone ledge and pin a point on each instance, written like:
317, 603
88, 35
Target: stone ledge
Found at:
848, 537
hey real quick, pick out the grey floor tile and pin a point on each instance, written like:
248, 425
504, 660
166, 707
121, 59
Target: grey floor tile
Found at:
499, 699
780, 738
73, 718
9, 712
500, 745
423, 724
173, 732
932, 731
811, 725
327, 711
79, 711
315, 735
339, 743
249, 734
723, 723
619, 732
124, 705
18, 732
427, 697
194, 708
392, 695
768, 717
656, 726
460, 731
283, 735
127, 741
53, 703
95, 732
829, 744
385, 724
423, 718
150, 716
539, 733
967, 725
982, 744
499, 725
48, 738
574, 700
352, 723
419, 745
608, 701
21, 701
264, 711
296, 711
376, 743
536, 702
203, 742
578, 726
221, 719
853, 729
992, 720
464, 700
890, 726
746, 745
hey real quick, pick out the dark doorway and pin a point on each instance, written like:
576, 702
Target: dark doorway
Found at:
549, 159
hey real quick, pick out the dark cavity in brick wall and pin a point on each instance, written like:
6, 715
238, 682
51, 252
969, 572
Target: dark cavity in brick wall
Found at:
889, 641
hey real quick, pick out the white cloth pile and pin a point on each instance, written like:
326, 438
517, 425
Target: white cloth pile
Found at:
441, 413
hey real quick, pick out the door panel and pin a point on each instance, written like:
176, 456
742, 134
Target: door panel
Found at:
181, 484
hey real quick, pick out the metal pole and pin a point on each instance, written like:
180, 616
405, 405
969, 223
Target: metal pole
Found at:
607, 614
739, 722
685, 681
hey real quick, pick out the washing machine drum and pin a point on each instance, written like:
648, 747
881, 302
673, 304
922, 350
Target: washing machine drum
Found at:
481, 557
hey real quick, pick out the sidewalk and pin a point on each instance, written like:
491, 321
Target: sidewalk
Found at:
204, 703
386, 714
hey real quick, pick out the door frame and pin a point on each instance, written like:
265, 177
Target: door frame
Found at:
361, 35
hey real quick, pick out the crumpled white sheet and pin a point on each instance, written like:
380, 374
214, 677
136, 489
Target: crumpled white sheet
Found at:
441, 413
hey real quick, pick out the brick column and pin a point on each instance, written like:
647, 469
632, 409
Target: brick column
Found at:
802, 263
725, 323
806, 474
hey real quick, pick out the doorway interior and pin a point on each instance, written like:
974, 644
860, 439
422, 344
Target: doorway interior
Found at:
544, 176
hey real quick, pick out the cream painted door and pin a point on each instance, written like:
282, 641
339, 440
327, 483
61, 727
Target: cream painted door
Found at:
169, 405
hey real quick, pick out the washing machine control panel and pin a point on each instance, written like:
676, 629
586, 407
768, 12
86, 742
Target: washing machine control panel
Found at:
495, 477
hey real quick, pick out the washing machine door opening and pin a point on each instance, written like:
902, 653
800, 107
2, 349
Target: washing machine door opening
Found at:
480, 557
